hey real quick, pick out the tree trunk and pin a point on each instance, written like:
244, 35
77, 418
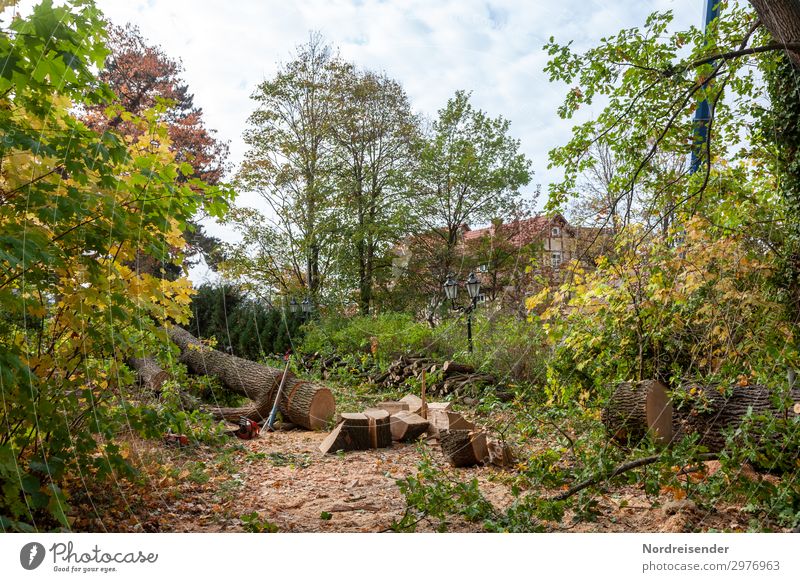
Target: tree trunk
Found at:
303, 403
711, 415
720, 414
782, 19
149, 373
636, 408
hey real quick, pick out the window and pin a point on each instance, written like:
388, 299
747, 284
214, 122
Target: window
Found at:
555, 259
555, 231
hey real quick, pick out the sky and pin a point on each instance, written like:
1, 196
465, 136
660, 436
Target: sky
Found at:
434, 48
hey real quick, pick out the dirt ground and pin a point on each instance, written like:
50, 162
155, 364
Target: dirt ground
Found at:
281, 478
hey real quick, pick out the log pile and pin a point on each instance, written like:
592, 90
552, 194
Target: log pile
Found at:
462, 443
635, 409
454, 379
303, 403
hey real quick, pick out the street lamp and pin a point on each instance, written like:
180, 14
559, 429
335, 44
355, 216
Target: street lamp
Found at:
293, 305
307, 307
473, 285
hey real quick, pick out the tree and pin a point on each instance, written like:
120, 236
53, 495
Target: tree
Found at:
76, 206
470, 172
289, 165
653, 93
145, 78
374, 137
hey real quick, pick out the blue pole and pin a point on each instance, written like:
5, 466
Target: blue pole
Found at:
702, 116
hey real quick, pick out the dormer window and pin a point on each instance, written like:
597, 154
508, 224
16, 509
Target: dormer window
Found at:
555, 231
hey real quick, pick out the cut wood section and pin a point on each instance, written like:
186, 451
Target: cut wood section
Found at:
464, 448
149, 374
414, 403
439, 406
636, 408
500, 454
444, 420
306, 404
352, 434
380, 432
393, 406
449, 368
407, 426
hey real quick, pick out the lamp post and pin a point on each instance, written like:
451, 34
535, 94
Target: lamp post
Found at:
293, 306
473, 285
307, 307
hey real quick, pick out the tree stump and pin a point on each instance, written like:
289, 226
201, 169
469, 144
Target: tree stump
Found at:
380, 432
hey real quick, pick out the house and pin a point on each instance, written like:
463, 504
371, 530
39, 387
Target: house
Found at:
510, 258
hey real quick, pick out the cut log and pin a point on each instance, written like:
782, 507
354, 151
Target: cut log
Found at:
449, 368
446, 420
393, 406
307, 404
414, 403
380, 433
352, 434
464, 448
149, 374
500, 454
407, 426
720, 413
636, 408
439, 406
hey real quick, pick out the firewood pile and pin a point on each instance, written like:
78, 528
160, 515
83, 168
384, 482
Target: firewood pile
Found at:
405, 420
445, 378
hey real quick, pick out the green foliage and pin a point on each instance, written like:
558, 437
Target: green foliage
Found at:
253, 523
241, 324
699, 311
391, 334
77, 208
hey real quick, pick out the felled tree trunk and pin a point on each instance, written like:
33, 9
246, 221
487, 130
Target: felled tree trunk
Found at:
714, 414
149, 374
635, 408
303, 403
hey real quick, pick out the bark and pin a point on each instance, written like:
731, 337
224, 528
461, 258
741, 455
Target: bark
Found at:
380, 433
782, 19
637, 408
711, 415
303, 403
464, 448
352, 434
149, 373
